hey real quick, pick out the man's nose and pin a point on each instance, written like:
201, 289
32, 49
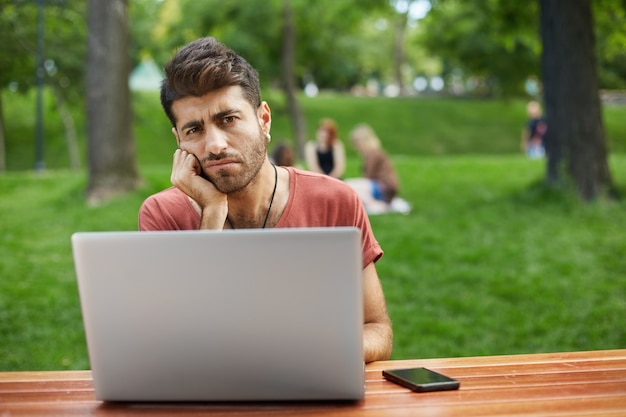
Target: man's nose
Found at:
215, 141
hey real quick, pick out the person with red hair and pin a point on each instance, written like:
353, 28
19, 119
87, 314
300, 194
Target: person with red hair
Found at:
326, 155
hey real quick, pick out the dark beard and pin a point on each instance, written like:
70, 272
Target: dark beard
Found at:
252, 162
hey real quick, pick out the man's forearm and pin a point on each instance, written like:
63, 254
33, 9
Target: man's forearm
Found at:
377, 341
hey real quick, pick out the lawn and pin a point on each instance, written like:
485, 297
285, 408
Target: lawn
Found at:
488, 262
492, 262
406, 126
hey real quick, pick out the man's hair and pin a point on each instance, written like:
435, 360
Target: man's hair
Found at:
206, 65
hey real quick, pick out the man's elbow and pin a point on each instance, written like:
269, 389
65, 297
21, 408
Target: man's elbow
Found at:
378, 340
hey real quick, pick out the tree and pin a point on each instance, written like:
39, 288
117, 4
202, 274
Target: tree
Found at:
289, 79
64, 49
65, 73
15, 65
609, 18
498, 41
3, 165
111, 148
401, 23
575, 133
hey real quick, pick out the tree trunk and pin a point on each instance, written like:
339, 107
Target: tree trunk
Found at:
71, 137
289, 82
111, 147
575, 142
3, 159
398, 49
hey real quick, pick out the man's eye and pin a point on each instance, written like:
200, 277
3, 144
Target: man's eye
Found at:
228, 120
191, 134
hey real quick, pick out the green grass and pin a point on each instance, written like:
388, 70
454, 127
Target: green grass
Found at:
489, 261
492, 262
407, 126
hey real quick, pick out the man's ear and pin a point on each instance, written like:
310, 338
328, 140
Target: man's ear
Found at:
175, 132
265, 117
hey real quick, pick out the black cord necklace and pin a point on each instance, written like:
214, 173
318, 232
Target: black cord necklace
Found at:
267, 215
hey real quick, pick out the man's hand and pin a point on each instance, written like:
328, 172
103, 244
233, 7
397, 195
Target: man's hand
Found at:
187, 176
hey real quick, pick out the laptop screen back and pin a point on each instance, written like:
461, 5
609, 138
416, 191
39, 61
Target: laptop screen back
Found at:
247, 315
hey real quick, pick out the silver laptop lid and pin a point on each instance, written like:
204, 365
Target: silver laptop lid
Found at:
253, 314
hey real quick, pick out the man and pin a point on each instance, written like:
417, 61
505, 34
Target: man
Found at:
223, 178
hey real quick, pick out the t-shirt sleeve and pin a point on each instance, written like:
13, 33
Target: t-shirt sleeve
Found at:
168, 210
322, 201
371, 249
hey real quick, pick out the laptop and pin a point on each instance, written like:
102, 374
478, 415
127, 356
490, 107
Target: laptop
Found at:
241, 315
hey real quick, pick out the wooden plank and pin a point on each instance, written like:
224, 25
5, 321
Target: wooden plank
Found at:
393, 396
525, 359
518, 381
584, 390
568, 407
535, 368
45, 386
513, 372
45, 376
561, 407
559, 384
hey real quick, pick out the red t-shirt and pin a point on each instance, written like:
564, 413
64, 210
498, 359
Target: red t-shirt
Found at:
314, 201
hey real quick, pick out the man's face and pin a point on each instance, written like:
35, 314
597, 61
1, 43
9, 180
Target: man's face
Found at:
226, 134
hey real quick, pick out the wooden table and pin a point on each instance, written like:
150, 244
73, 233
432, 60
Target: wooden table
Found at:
552, 384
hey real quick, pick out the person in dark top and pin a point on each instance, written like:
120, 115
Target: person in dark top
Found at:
326, 155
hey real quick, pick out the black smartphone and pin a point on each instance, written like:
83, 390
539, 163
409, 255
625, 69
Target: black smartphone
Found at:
421, 379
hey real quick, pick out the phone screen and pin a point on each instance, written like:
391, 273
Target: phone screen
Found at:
421, 379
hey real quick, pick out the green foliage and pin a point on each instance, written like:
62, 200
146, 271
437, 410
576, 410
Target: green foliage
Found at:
142, 17
325, 34
330, 40
610, 21
64, 42
339, 44
500, 41
488, 262
16, 65
496, 41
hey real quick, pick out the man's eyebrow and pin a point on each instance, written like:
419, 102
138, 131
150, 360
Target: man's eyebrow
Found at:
223, 113
191, 123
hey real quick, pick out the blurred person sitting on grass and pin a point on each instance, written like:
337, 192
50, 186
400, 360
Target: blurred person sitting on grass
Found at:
378, 188
326, 155
283, 155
